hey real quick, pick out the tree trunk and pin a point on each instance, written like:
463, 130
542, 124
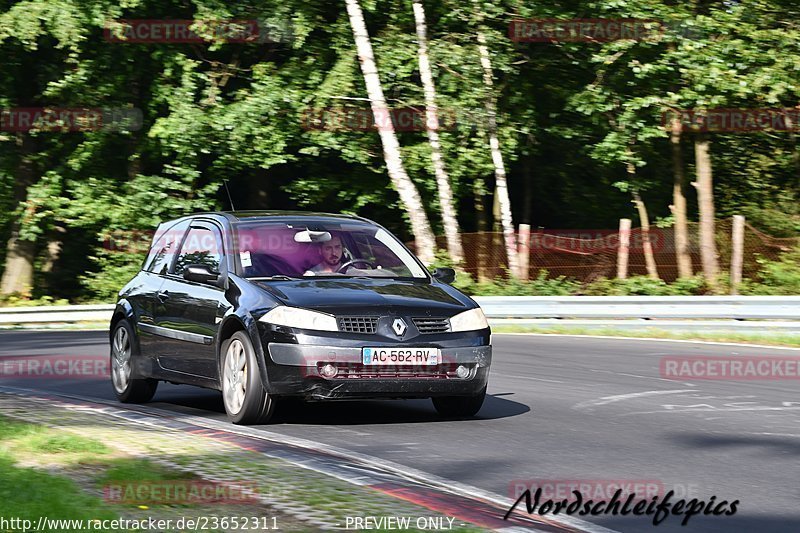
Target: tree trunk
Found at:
647, 246
624, 247
678, 206
737, 252
20, 254
501, 184
497, 233
644, 219
482, 226
449, 220
409, 195
705, 200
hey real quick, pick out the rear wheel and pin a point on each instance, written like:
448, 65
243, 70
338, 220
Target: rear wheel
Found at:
459, 406
243, 394
123, 351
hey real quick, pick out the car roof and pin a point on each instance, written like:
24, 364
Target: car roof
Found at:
269, 215
245, 215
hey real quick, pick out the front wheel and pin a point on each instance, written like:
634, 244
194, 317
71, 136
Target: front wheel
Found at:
459, 406
123, 350
245, 399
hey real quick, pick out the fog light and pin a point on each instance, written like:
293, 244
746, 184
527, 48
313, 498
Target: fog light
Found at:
462, 371
328, 371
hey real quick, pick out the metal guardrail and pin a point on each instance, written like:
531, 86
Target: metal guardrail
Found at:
55, 314
643, 307
497, 308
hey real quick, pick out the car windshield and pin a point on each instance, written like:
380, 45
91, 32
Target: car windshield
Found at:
301, 249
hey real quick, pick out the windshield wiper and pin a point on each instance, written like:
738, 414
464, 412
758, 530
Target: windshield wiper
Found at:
277, 277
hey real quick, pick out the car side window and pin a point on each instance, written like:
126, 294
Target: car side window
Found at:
370, 248
202, 246
164, 249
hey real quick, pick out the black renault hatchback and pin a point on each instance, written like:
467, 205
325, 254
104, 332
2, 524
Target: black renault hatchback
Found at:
268, 305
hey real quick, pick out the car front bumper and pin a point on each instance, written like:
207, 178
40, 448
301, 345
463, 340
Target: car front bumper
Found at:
294, 363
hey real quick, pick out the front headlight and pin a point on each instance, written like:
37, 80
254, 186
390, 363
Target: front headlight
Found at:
471, 320
294, 317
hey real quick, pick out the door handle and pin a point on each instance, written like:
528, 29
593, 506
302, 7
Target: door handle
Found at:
162, 296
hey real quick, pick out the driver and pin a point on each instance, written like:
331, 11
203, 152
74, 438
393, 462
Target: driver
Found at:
331, 253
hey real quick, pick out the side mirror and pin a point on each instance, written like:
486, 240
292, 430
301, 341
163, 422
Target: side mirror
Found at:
445, 275
200, 273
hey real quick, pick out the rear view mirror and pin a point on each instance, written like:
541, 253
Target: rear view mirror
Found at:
200, 273
445, 275
308, 235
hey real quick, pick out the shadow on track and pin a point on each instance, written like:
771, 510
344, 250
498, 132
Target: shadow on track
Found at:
345, 412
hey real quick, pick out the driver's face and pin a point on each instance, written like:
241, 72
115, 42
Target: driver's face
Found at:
332, 252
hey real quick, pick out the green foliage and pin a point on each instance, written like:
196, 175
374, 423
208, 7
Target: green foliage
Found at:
114, 270
645, 286
18, 300
579, 123
538, 286
777, 277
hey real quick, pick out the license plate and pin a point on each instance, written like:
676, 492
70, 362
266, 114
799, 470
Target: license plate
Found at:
400, 356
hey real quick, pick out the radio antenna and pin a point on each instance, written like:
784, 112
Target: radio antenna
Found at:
229, 194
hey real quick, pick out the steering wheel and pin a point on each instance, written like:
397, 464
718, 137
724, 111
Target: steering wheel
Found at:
352, 262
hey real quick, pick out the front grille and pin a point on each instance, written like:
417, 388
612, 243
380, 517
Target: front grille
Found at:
432, 325
358, 324
361, 371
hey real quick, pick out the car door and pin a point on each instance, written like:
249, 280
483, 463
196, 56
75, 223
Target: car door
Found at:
162, 254
188, 312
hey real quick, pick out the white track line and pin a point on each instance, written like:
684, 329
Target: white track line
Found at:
741, 345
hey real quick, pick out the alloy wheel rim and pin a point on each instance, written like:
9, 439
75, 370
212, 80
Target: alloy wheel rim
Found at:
121, 360
234, 384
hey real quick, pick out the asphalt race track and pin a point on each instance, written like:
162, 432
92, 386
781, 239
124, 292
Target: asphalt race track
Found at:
560, 409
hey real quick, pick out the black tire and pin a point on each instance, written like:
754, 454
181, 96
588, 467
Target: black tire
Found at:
459, 406
124, 350
256, 405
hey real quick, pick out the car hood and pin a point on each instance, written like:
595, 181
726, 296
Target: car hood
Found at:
353, 296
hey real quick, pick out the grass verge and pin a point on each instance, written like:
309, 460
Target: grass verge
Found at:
27, 488
48, 472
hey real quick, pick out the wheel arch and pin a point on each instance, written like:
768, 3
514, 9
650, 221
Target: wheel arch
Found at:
123, 311
230, 325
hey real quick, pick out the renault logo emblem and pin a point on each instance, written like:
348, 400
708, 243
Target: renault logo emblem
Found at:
399, 326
